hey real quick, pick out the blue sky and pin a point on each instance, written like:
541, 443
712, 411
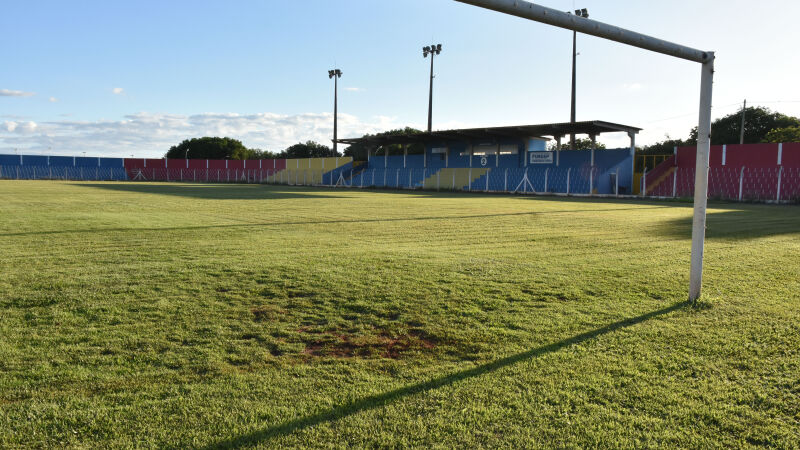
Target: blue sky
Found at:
122, 78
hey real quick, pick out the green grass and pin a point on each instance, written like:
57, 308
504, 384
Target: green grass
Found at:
171, 315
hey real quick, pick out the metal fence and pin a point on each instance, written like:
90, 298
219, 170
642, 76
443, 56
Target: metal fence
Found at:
781, 184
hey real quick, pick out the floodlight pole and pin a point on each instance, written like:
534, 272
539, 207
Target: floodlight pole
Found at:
574, 80
585, 14
335, 74
335, 114
433, 50
430, 99
531, 11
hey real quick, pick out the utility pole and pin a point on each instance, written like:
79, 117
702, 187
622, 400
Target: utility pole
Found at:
741, 135
335, 74
432, 50
585, 14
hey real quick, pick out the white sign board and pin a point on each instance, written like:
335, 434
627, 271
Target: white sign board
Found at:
541, 157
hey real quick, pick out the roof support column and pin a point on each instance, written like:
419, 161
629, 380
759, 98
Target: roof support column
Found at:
471, 153
405, 154
497, 155
594, 146
525, 155
632, 135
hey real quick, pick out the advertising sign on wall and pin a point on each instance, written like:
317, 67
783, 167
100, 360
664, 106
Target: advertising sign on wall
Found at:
541, 157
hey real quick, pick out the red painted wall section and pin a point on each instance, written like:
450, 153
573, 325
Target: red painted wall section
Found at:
216, 164
252, 164
131, 163
686, 156
747, 155
715, 157
235, 164
197, 164
211, 170
176, 163
752, 155
156, 163
791, 155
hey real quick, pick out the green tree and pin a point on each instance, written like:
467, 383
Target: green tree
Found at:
665, 147
359, 151
580, 144
211, 148
309, 149
788, 134
759, 122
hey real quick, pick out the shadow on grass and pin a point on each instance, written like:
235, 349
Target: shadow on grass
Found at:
322, 222
217, 191
745, 222
376, 401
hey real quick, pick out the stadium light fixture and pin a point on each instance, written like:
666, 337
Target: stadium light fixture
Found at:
550, 16
584, 13
335, 74
433, 50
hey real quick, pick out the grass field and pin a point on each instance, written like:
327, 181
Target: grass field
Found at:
214, 316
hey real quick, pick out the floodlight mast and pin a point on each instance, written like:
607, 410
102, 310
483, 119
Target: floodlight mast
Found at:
585, 14
335, 74
538, 13
432, 50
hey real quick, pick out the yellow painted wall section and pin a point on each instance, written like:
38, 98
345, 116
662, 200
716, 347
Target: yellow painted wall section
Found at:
298, 170
454, 178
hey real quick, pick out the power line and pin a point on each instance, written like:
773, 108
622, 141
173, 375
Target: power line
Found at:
723, 107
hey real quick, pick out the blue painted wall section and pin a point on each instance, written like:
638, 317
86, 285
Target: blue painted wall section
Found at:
29, 167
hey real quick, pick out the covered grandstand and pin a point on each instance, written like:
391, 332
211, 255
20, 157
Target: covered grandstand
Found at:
502, 159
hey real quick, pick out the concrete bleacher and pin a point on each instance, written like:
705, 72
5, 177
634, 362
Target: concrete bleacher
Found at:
570, 172
453, 178
754, 172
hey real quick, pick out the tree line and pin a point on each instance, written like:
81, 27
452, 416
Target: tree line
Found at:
762, 125
229, 148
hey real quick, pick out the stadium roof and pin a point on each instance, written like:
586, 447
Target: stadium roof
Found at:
592, 128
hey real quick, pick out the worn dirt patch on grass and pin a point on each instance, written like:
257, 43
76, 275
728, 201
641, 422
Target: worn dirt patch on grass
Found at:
369, 346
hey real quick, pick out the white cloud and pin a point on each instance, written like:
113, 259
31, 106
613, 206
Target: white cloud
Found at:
151, 135
53, 100
13, 93
118, 91
632, 87
18, 127
353, 89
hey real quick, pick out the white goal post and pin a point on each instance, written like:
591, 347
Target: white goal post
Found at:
550, 16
